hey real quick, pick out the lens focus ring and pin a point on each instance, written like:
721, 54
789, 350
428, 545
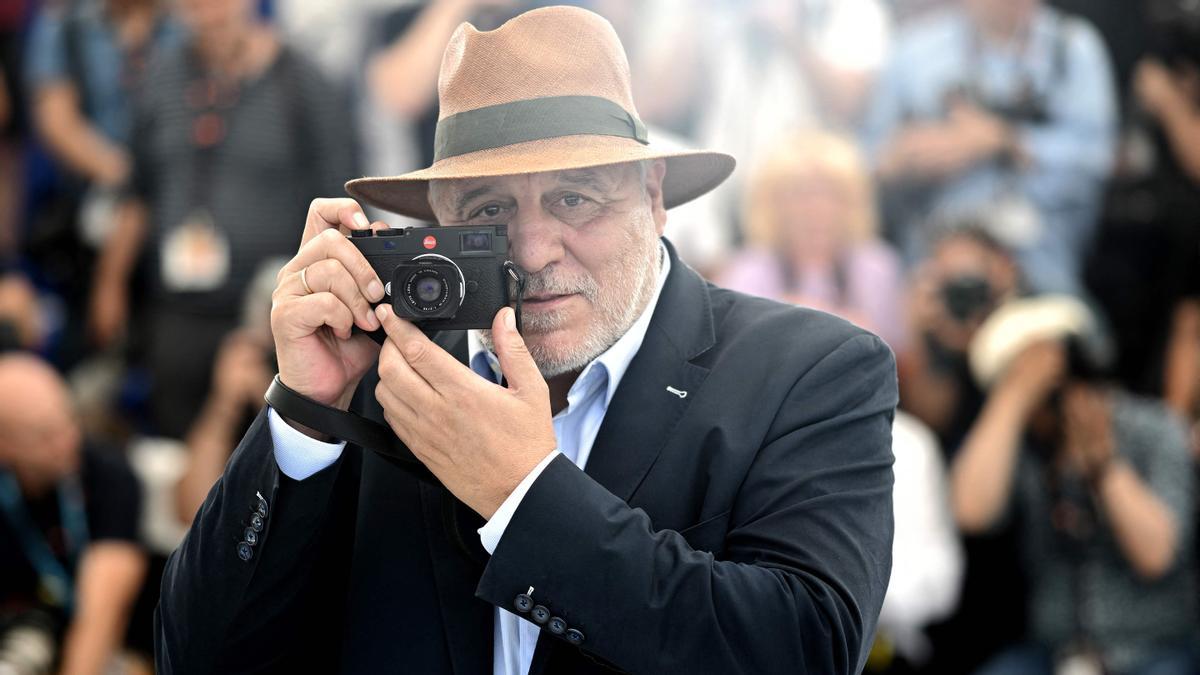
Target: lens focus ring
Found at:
427, 289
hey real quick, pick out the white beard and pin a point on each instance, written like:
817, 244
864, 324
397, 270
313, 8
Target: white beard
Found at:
616, 305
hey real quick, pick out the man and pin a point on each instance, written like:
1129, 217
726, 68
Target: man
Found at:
1003, 107
1101, 483
670, 477
70, 567
225, 152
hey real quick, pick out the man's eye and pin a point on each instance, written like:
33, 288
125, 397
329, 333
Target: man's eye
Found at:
488, 211
572, 200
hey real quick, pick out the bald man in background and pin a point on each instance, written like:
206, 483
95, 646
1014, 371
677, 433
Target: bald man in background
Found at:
70, 566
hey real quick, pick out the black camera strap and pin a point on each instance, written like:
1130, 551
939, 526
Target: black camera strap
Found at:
353, 428
342, 425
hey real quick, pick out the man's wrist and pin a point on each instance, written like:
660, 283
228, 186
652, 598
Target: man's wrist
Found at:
342, 403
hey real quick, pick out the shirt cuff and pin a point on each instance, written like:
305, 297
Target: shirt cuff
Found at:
300, 456
492, 530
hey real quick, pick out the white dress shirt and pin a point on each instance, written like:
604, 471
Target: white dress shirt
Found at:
575, 429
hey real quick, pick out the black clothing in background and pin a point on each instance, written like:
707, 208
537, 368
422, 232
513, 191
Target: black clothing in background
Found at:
991, 612
288, 139
112, 505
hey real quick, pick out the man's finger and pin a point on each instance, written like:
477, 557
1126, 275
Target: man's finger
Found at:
516, 363
397, 390
436, 366
330, 275
339, 213
299, 317
332, 244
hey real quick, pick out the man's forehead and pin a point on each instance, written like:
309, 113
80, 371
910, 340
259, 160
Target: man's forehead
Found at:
599, 177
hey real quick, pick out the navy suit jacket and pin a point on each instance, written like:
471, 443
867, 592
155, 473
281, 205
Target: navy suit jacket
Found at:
744, 527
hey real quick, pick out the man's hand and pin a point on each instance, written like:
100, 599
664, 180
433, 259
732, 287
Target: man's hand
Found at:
1156, 87
1036, 372
320, 295
478, 438
1087, 430
936, 151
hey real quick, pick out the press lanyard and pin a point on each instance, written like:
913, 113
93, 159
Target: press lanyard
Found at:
54, 579
211, 102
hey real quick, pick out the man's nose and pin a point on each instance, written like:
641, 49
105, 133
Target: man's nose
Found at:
534, 239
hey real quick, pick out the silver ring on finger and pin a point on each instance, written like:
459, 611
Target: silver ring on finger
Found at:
304, 282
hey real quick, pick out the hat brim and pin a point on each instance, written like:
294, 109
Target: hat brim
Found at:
690, 173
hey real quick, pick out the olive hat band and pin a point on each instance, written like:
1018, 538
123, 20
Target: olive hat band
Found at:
531, 120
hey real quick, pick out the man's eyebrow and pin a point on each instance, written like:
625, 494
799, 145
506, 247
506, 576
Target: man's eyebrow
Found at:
585, 178
463, 199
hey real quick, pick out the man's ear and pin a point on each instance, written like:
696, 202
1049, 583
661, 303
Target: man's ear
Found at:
655, 173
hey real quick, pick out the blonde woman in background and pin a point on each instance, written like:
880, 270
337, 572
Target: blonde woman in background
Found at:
812, 238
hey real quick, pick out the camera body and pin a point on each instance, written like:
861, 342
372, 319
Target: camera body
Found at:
440, 278
966, 297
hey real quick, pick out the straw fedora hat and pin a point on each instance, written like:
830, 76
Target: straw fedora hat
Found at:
547, 91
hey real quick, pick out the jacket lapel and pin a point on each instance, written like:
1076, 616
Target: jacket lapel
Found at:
643, 412
651, 398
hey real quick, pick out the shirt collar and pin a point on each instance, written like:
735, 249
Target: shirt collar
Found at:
608, 368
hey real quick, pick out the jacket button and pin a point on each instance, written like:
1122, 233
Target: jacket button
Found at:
523, 602
251, 536
557, 625
540, 614
256, 521
244, 551
261, 508
574, 636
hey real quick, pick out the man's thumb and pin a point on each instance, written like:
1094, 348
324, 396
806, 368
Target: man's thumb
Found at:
515, 361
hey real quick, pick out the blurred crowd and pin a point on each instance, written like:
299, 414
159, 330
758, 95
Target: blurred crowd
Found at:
1006, 191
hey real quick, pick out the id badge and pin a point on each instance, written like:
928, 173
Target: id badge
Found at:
1015, 221
97, 215
1079, 662
194, 255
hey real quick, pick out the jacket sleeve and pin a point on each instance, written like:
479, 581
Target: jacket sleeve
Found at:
807, 552
240, 594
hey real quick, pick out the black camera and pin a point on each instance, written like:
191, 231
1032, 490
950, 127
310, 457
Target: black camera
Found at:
966, 297
441, 278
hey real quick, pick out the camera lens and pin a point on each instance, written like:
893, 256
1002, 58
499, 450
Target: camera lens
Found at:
430, 289
426, 290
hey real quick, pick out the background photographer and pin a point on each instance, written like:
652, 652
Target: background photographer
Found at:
1102, 488
966, 276
1006, 105
70, 569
